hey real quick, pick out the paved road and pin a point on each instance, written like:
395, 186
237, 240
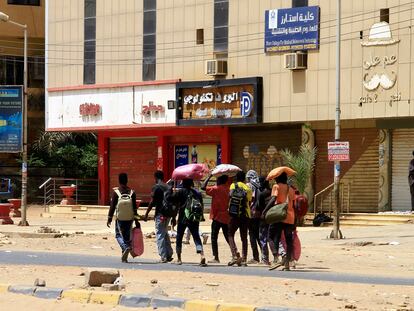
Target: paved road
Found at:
75, 260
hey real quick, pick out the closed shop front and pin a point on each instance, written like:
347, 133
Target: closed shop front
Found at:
402, 148
138, 158
259, 148
361, 173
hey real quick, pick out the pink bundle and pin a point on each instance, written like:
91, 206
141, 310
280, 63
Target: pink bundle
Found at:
190, 171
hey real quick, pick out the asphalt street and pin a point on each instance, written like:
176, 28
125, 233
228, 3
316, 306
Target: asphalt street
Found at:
304, 273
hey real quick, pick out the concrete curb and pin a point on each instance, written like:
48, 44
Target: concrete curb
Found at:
24, 290
132, 300
4, 288
168, 303
48, 293
135, 301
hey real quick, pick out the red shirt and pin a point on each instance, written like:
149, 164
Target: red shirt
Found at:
219, 203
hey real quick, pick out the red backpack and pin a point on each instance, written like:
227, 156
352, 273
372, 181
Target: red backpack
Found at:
301, 206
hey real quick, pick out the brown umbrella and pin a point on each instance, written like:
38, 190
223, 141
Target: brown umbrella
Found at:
280, 170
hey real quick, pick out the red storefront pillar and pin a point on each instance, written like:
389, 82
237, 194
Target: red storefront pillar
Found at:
103, 165
226, 145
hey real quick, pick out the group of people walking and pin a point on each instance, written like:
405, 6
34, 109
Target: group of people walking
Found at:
238, 205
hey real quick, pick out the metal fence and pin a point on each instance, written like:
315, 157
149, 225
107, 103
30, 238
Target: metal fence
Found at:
86, 192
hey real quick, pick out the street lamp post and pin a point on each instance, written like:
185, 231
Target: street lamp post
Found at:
336, 232
5, 18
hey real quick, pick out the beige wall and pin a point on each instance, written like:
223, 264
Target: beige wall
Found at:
33, 16
11, 36
288, 96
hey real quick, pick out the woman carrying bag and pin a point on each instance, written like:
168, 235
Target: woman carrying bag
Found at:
280, 214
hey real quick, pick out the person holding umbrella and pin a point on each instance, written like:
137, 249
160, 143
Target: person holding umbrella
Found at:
218, 212
282, 193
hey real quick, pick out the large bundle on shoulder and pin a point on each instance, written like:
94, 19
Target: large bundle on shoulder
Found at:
190, 171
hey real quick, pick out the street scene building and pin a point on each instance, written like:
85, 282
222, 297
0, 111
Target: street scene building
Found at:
122, 71
30, 13
244, 155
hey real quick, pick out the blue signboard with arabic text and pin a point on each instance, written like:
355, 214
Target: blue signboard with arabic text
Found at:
292, 29
11, 119
181, 155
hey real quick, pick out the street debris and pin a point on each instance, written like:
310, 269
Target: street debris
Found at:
95, 277
212, 284
47, 230
39, 283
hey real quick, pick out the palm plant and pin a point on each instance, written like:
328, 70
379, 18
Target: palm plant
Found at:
303, 163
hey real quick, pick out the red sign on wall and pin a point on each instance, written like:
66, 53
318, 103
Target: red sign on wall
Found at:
89, 109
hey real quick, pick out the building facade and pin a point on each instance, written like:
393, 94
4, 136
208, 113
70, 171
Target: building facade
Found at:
31, 13
96, 47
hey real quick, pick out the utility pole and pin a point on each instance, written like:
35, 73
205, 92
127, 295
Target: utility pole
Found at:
336, 231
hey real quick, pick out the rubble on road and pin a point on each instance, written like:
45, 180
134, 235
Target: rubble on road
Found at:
95, 277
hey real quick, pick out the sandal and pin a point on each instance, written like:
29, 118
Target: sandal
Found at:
203, 263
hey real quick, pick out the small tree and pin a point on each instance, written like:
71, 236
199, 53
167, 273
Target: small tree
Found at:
303, 163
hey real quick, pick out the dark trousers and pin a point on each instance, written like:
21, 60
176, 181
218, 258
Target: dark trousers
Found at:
215, 229
241, 224
265, 242
275, 231
254, 235
194, 230
123, 233
412, 197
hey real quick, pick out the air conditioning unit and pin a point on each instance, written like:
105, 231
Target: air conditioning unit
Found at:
216, 67
296, 61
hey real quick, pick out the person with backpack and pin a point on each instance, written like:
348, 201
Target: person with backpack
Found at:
254, 224
124, 206
190, 213
163, 213
218, 212
240, 198
281, 193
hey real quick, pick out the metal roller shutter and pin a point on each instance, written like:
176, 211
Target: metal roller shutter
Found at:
402, 148
258, 148
362, 171
136, 157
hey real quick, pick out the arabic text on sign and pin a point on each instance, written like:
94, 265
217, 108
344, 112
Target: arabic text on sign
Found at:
89, 109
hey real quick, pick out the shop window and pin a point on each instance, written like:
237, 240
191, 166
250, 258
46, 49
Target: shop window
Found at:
200, 36
89, 54
221, 25
24, 2
299, 3
149, 40
385, 15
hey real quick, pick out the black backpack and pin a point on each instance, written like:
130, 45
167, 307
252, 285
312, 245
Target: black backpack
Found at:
193, 208
168, 208
238, 201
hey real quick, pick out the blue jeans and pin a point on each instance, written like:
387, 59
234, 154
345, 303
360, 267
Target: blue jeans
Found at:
163, 239
194, 229
123, 233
